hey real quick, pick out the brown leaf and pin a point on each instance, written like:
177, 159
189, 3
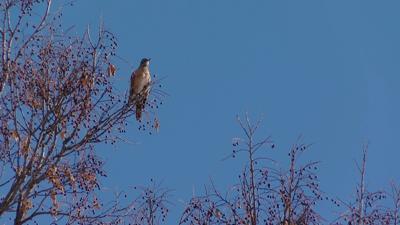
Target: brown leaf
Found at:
96, 203
84, 80
156, 124
53, 177
62, 134
36, 105
25, 147
70, 177
111, 70
26, 205
56, 206
63, 128
15, 135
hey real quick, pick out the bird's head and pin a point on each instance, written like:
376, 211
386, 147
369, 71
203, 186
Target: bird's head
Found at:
145, 62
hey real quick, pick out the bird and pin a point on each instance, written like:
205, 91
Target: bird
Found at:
140, 86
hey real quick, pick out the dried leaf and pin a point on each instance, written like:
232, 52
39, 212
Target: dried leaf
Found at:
111, 70
84, 80
156, 124
63, 128
25, 147
56, 206
15, 135
26, 205
62, 134
53, 177
96, 203
71, 178
35, 103
87, 81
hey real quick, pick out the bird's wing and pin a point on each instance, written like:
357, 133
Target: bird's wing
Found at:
131, 89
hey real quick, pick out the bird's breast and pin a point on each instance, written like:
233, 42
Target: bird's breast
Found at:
142, 78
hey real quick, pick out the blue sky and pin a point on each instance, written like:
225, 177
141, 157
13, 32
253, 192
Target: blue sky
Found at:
328, 70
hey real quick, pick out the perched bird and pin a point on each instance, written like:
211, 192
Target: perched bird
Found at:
140, 86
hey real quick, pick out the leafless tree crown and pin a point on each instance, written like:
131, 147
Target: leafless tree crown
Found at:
265, 194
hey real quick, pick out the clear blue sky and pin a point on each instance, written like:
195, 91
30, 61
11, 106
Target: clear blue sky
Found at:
329, 70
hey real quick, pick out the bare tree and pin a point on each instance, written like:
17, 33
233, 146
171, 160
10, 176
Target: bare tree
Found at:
57, 101
368, 207
297, 191
265, 194
392, 215
151, 205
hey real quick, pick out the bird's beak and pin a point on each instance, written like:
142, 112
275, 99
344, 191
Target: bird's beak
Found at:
149, 59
